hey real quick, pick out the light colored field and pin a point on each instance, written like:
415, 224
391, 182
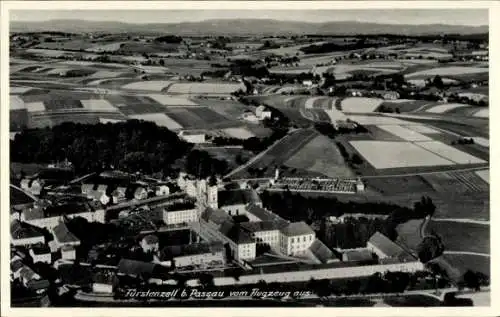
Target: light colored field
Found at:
481, 141
400, 101
335, 115
474, 96
50, 53
59, 70
309, 104
104, 74
382, 154
376, 120
35, 106
239, 133
360, 104
205, 88
153, 69
160, 119
16, 103
98, 105
420, 128
171, 100
417, 61
104, 120
290, 70
417, 82
404, 133
445, 107
483, 113
450, 152
320, 155
151, 85
79, 63
448, 71
19, 90
105, 48
484, 174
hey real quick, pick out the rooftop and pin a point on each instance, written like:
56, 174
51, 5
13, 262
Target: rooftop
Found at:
321, 251
22, 230
63, 235
238, 235
135, 268
260, 226
297, 229
40, 249
150, 239
238, 197
388, 247
359, 255
216, 216
171, 252
266, 215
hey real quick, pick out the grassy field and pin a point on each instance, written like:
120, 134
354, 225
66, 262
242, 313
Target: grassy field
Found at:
458, 236
464, 262
229, 155
409, 233
320, 155
199, 117
403, 105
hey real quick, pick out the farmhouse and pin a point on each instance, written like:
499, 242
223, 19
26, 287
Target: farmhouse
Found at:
262, 112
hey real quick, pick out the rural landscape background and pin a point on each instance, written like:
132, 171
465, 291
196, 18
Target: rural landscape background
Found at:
350, 129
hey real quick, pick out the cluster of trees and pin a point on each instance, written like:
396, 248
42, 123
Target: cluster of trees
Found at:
330, 131
296, 207
430, 248
169, 39
462, 141
132, 146
387, 109
352, 233
353, 160
332, 47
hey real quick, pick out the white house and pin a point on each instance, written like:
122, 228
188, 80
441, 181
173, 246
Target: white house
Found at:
41, 254
262, 112
296, 238
68, 252
264, 232
173, 217
162, 190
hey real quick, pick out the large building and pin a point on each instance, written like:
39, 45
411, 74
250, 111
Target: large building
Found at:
197, 254
236, 202
387, 250
296, 238
264, 232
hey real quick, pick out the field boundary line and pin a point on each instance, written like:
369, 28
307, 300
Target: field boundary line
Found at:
463, 220
467, 253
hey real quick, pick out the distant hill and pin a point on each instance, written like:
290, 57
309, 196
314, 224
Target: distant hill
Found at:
243, 27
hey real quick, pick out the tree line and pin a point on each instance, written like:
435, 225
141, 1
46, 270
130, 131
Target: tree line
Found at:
132, 146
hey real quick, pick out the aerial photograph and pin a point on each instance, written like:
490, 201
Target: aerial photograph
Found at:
246, 158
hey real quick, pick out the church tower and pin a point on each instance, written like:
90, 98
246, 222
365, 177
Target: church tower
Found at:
212, 193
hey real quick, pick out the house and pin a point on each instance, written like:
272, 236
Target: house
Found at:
196, 254
360, 186
16, 264
68, 252
296, 238
50, 216
390, 95
162, 190
63, 237
257, 213
264, 232
195, 137
25, 234
384, 248
235, 202
41, 253
307, 83
174, 216
32, 280
321, 253
118, 195
261, 112
243, 245
150, 243
33, 186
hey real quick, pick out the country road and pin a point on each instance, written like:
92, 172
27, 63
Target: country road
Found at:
467, 253
463, 220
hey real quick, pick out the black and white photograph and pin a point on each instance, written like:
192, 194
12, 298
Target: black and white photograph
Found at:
209, 157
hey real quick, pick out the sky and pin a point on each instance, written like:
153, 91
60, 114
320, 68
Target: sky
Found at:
472, 17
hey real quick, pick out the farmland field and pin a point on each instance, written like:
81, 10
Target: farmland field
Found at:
485, 175
445, 107
404, 133
382, 154
98, 105
454, 234
153, 85
205, 88
377, 120
464, 262
360, 104
420, 128
483, 113
403, 105
16, 103
448, 71
199, 117
132, 105
321, 155
160, 119
239, 133
229, 154
457, 181
409, 233
450, 153
171, 100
